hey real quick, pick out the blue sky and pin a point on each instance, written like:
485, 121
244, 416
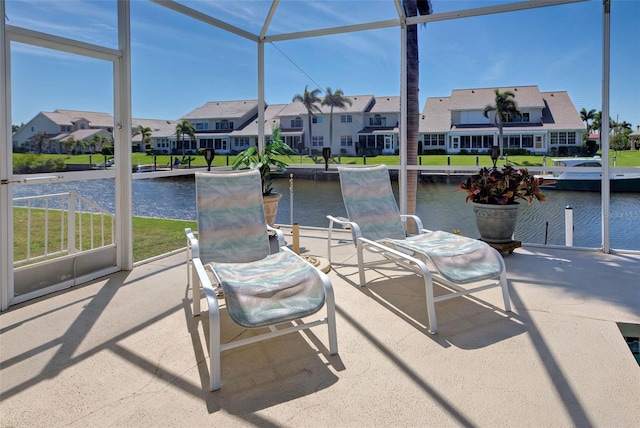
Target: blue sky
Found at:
180, 63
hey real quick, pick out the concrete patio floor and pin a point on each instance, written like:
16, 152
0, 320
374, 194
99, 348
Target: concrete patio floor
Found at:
125, 351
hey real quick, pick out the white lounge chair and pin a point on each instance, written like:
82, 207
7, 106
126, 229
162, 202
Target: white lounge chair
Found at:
460, 264
232, 254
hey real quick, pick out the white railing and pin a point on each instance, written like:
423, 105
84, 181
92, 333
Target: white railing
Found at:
72, 211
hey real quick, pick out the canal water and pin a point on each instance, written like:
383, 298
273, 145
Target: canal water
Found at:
441, 206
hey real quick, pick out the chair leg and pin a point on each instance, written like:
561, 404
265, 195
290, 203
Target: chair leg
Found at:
329, 241
360, 251
505, 291
215, 381
431, 306
194, 284
330, 301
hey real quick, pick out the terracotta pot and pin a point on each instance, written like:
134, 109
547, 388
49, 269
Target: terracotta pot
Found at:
270, 203
496, 223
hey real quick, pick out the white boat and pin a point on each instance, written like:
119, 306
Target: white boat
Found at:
145, 168
591, 181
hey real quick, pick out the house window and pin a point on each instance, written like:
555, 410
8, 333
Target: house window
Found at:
523, 117
206, 143
433, 140
242, 142
346, 141
202, 126
514, 141
296, 123
317, 119
465, 141
527, 141
377, 120
346, 118
317, 141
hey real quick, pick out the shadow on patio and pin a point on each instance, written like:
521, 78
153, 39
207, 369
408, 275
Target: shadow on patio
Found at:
126, 351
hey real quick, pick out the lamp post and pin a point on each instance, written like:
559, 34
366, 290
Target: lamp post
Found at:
209, 154
495, 154
326, 154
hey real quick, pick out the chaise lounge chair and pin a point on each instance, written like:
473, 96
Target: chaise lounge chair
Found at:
232, 256
460, 264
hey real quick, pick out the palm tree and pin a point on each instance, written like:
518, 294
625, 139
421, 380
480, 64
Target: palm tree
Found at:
182, 128
413, 8
310, 101
145, 131
586, 116
97, 142
334, 99
505, 106
596, 124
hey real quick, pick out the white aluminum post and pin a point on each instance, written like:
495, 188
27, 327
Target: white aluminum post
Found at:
122, 139
261, 103
568, 226
6, 165
604, 134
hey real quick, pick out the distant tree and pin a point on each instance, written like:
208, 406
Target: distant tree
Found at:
145, 131
16, 128
505, 107
38, 141
68, 143
310, 100
97, 142
182, 128
334, 99
79, 146
596, 124
586, 116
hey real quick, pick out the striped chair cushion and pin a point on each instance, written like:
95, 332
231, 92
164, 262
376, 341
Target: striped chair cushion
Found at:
458, 258
280, 287
370, 202
231, 222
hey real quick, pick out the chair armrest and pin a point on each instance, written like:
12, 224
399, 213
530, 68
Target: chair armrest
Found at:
208, 288
279, 235
415, 218
355, 229
192, 244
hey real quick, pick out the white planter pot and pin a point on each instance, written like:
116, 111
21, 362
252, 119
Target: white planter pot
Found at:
496, 223
270, 203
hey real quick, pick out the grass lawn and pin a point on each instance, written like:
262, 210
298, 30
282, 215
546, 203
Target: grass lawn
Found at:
623, 159
151, 236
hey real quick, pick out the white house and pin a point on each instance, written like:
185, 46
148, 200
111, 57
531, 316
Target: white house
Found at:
60, 126
548, 122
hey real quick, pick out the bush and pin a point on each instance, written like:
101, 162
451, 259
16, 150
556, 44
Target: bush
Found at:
435, 152
516, 152
107, 150
33, 164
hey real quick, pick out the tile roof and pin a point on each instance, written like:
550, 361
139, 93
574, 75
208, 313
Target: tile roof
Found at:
558, 112
479, 98
69, 117
222, 109
436, 117
386, 104
251, 127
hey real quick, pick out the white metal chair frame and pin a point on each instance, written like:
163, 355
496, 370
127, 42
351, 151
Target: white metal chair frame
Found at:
202, 278
418, 262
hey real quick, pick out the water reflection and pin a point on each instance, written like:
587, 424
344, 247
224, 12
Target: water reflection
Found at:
440, 206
